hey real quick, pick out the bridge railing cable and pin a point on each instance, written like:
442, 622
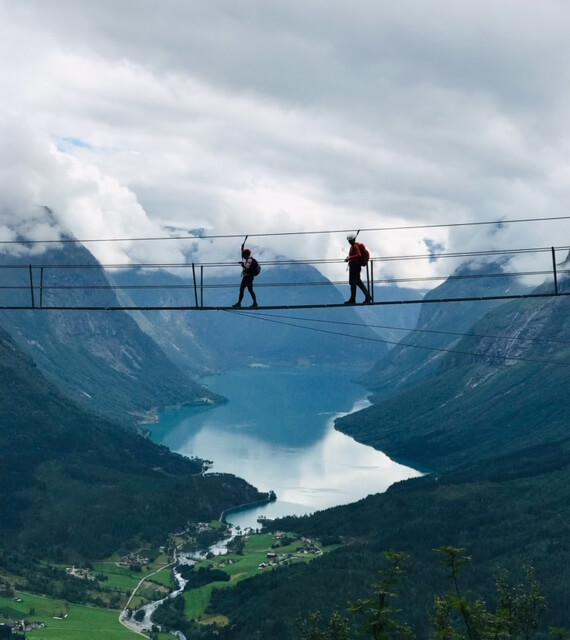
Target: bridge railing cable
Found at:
213, 285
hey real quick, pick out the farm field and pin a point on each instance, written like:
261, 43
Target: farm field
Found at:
80, 622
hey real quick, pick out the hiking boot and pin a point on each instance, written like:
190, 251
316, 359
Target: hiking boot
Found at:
237, 304
350, 302
254, 304
367, 300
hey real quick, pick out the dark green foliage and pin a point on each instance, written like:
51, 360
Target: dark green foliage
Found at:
139, 615
237, 545
201, 576
170, 615
455, 615
74, 485
516, 614
380, 616
286, 594
206, 538
313, 628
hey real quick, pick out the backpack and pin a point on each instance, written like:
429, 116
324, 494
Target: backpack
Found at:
255, 268
364, 254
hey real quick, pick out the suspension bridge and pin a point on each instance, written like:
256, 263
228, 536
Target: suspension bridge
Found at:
92, 287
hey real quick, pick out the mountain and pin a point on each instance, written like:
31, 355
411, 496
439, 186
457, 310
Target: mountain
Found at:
440, 326
75, 485
99, 359
498, 390
227, 338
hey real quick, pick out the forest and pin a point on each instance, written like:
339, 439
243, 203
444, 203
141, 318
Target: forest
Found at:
511, 513
77, 487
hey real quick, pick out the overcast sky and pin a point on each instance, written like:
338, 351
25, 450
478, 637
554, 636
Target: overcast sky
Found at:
138, 118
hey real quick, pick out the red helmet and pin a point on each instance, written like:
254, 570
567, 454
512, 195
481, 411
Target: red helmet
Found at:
246, 253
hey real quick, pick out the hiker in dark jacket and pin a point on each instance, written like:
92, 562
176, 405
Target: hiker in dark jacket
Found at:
354, 260
247, 277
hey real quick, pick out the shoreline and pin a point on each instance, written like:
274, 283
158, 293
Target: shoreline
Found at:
245, 507
287, 440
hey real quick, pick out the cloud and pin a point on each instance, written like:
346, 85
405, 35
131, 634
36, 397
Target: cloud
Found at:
48, 194
129, 118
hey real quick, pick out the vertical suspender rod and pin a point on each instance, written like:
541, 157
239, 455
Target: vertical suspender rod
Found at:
41, 287
32, 285
195, 289
554, 271
202, 285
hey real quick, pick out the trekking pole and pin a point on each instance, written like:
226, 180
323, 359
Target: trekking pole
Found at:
242, 248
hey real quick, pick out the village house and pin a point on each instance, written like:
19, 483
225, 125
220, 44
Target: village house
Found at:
84, 574
133, 560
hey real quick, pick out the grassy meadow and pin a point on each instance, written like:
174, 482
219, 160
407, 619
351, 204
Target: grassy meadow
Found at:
80, 622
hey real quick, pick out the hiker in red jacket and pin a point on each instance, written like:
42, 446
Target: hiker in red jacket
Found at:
355, 260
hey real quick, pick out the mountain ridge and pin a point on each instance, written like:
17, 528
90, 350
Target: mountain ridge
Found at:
103, 362
518, 381
76, 485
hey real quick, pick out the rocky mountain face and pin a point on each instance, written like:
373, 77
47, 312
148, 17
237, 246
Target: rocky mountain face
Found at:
99, 359
496, 389
440, 327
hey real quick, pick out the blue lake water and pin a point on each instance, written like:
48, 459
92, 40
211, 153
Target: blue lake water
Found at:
277, 432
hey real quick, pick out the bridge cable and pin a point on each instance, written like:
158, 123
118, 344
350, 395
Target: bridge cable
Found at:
415, 329
291, 233
385, 341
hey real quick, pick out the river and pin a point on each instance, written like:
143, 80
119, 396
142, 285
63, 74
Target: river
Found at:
277, 432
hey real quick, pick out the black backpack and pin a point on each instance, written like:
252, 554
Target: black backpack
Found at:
255, 268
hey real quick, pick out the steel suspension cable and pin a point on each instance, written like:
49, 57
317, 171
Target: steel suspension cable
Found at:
292, 233
414, 330
415, 346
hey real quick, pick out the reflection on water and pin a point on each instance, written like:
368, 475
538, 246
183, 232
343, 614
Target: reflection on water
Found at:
276, 441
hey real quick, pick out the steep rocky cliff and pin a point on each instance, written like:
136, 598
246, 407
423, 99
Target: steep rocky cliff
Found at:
100, 359
496, 389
